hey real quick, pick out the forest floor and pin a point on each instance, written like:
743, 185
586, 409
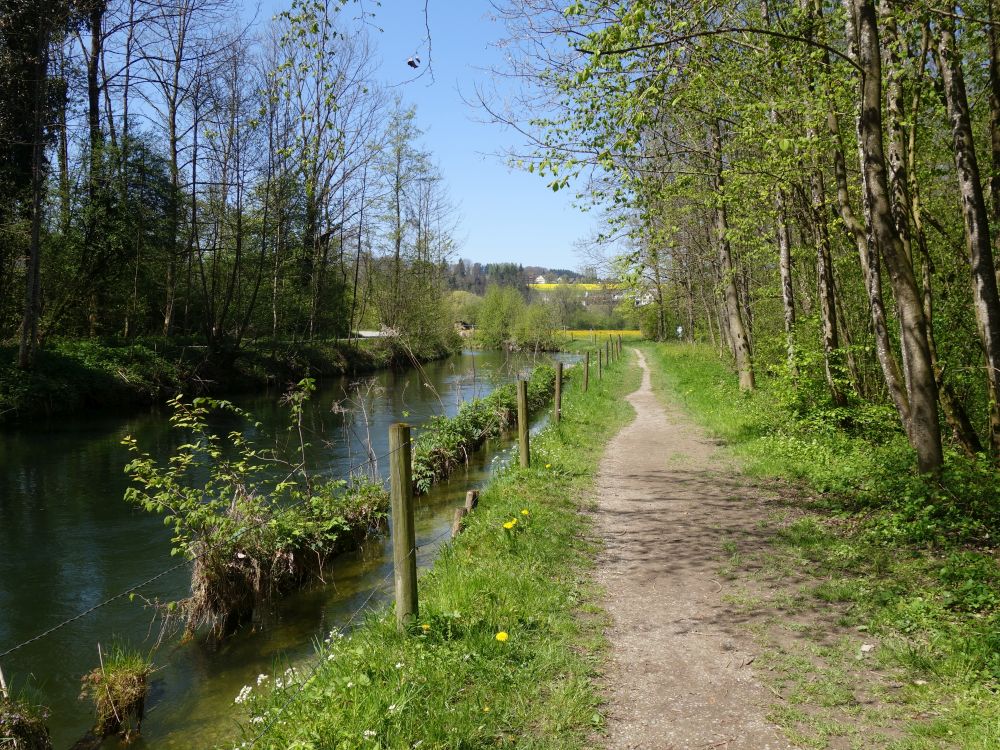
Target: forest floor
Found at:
715, 640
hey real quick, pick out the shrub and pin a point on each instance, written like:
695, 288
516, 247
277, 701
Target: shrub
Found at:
256, 523
445, 443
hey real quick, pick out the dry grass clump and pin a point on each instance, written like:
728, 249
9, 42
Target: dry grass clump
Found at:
22, 725
277, 554
118, 689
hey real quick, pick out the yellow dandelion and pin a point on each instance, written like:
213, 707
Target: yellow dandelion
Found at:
486, 709
425, 627
509, 525
525, 512
548, 466
513, 521
502, 636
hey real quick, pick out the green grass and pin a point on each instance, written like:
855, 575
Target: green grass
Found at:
449, 682
118, 688
881, 556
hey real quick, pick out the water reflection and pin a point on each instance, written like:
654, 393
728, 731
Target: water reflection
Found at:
69, 542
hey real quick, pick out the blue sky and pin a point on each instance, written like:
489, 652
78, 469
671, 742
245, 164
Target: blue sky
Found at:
505, 214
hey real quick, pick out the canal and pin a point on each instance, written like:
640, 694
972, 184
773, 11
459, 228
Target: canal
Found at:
69, 541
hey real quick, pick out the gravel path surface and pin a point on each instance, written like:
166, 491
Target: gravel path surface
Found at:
680, 674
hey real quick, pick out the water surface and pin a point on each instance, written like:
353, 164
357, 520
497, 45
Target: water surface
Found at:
69, 541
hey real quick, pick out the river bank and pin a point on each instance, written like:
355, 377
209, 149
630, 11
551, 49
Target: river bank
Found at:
63, 479
88, 375
508, 636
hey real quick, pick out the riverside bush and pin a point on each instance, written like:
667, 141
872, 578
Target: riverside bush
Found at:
447, 442
256, 523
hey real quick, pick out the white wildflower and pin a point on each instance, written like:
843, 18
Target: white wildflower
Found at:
261, 679
244, 694
369, 733
399, 665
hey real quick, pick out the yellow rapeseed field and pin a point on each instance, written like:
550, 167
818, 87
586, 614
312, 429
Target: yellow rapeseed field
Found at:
602, 333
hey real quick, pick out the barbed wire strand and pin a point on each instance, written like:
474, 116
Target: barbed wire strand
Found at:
321, 661
132, 589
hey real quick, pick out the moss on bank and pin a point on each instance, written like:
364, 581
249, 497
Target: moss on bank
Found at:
74, 375
507, 640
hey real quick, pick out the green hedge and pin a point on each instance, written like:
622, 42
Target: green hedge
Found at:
447, 442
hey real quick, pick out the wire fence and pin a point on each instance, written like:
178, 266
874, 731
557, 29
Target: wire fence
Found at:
167, 571
320, 660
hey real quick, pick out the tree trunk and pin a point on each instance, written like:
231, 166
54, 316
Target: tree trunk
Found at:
924, 428
734, 318
977, 228
33, 287
787, 293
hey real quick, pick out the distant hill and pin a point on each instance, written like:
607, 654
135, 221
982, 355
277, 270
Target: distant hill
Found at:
466, 276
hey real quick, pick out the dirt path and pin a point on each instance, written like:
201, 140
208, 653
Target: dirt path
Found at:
680, 675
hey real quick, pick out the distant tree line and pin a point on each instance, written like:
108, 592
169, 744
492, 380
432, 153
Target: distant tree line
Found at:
466, 276
166, 170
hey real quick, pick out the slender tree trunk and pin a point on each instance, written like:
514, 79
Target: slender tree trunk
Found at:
821, 238
63, 151
33, 284
994, 38
985, 299
787, 292
924, 428
825, 288
734, 318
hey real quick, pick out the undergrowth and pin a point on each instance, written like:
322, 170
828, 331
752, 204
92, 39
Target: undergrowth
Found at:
75, 375
911, 560
22, 722
498, 655
447, 442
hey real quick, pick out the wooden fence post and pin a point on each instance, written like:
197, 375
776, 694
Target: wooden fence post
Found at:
620, 347
471, 500
404, 543
522, 422
607, 352
558, 399
586, 371
456, 524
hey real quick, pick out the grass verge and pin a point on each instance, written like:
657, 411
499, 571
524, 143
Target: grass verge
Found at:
501, 654
877, 596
